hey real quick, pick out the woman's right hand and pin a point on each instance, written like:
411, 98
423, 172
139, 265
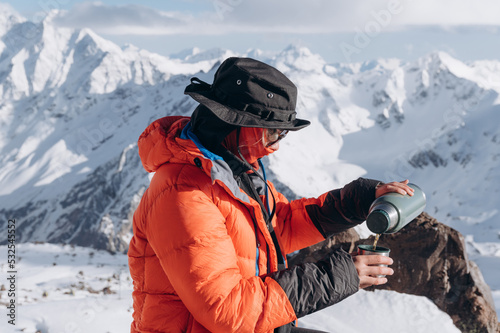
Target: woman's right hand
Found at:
368, 269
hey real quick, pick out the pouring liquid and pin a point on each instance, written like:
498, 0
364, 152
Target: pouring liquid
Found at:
376, 241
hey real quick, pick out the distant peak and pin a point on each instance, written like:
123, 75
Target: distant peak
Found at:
388, 64
368, 65
130, 47
301, 58
195, 55
445, 61
440, 57
88, 36
8, 18
260, 54
297, 50
255, 53
186, 53
52, 15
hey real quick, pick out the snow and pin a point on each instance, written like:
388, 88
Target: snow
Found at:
62, 288
381, 311
18, 75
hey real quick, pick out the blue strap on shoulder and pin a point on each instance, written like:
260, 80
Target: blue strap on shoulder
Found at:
187, 134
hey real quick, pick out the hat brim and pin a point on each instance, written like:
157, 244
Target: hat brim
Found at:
241, 118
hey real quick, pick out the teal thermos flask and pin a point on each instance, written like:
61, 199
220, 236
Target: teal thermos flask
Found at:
392, 211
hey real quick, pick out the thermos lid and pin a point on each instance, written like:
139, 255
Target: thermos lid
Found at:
378, 221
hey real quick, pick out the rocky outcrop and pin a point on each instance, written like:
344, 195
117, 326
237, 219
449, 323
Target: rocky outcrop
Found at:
430, 260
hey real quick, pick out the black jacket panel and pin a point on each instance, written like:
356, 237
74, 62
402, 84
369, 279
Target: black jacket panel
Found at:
344, 208
314, 286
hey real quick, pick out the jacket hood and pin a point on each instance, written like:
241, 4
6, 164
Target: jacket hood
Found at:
159, 143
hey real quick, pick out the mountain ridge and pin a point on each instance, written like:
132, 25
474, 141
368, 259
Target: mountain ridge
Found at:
74, 105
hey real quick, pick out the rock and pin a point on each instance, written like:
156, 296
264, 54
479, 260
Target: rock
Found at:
108, 291
429, 260
346, 239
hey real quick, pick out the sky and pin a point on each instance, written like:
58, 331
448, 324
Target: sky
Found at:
338, 30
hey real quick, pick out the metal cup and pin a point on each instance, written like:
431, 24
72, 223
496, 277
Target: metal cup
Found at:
369, 250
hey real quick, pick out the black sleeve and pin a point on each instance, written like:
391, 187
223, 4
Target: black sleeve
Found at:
314, 286
344, 208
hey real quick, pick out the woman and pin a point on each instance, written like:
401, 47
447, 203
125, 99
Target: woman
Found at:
211, 234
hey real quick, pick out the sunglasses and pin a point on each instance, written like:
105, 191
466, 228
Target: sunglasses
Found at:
273, 135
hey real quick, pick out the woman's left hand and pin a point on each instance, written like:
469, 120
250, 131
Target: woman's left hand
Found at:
398, 187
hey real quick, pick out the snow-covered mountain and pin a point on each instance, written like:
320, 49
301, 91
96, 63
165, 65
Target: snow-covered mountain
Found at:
73, 105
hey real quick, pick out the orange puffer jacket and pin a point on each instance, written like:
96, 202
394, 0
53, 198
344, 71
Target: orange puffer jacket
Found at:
201, 248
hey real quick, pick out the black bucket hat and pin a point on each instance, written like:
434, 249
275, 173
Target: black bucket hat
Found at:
249, 93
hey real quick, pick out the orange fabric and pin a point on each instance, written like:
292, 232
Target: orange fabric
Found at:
251, 144
193, 254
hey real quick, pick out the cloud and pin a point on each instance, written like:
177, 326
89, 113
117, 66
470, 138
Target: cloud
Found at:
451, 12
346, 16
285, 16
121, 20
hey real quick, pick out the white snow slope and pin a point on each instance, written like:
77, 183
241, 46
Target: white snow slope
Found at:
72, 106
